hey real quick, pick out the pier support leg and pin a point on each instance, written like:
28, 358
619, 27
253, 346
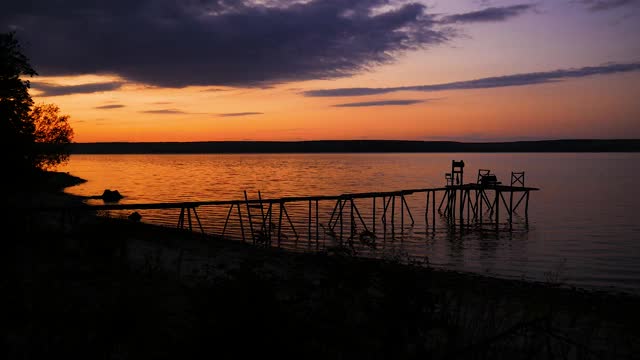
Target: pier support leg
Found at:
189, 219
373, 216
179, 226
279, 223
393, 215
226, 221
426, 210
309, 226
433, 213
445, 196
511, 210
198, 220
317, 227
497, 208
241, 225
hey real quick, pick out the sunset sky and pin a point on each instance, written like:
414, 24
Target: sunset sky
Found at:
465, 70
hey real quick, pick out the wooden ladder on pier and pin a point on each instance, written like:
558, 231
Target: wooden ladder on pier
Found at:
260, 224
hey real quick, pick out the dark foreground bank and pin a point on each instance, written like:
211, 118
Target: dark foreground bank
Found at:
115, 289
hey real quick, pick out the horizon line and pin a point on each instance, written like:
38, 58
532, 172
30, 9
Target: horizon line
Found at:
358, 140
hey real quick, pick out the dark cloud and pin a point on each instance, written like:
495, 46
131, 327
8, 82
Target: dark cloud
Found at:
601, 5
380, 103
491, 14
48, 89
111, 106
218, 42
239, 114
485, 83
164, 112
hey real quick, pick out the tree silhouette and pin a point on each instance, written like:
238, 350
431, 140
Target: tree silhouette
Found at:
16, 127
36, 138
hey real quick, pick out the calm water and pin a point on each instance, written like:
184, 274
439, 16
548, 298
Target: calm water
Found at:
582, 224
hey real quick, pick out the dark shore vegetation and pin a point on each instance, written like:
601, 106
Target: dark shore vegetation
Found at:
101, 287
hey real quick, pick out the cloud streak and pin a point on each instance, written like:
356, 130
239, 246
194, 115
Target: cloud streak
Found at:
603, 5
49, 89
381, 103
108, 107
486, 83
249, 113
491, 14
164, 112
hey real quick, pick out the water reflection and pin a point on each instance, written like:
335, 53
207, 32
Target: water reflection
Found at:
577, 218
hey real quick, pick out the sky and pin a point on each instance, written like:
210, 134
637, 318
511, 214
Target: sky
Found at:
461, 70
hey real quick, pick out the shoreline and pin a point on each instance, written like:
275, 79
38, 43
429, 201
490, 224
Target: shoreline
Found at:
386, 308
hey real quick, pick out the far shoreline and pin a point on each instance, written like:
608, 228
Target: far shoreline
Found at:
358, 146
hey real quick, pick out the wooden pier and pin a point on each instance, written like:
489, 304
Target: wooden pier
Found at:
266, 221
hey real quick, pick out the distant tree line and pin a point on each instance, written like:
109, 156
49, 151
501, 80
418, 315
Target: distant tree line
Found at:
35, 137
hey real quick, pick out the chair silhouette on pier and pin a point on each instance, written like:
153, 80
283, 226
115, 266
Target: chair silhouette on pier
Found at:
517, 178
457, 172
448, 178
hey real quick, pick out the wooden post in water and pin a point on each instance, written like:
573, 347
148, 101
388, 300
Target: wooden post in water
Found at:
497, 208
355, 208
240, 217
433, 212
179, 226
341, 224
393, 215
462, 194
293, 228
317, 227
384, 218
226, 221
526, 209
198, 220
353, 221
476, 208
426, 210
401, 215
246, 200
373, 216
189, 218
331, 219
480, 206
279, 223
263, 228
406, 204
445, 196
309, 237
511, 209
270, 213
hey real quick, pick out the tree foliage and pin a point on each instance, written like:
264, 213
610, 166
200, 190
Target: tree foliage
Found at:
36, 138
52, 135
16, 127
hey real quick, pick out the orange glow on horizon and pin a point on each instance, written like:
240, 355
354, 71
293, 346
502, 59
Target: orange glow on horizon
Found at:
594, 107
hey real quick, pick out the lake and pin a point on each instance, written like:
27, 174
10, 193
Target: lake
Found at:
582, 228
